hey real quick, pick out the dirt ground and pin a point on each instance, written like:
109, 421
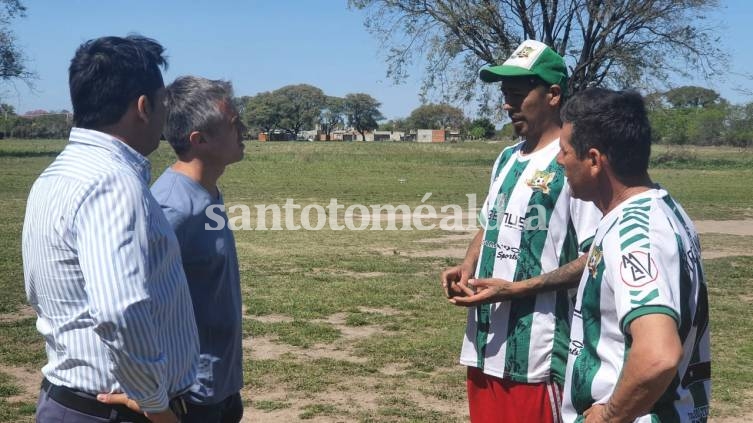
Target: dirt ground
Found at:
456, 248
265, 348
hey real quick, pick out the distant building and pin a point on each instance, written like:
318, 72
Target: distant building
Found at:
430, 135
275, 135
387, 135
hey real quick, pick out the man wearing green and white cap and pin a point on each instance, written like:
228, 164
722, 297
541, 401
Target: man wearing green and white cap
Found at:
528, 253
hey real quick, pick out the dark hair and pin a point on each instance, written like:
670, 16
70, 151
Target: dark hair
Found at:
194, 104
613, 122
107, 73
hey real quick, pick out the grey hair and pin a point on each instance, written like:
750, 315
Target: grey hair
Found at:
194, 104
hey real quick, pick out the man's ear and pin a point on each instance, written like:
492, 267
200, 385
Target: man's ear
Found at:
144, 108
555, 95
598, 160
196, 138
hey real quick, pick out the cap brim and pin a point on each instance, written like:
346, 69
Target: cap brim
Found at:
497, 73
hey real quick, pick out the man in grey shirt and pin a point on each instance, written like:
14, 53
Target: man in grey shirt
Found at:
205, 131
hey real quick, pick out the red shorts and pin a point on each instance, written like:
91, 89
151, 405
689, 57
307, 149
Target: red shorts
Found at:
491, 400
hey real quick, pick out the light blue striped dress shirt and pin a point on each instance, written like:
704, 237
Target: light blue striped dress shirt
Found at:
103, 271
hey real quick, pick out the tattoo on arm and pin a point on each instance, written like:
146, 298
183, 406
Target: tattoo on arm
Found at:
565, 276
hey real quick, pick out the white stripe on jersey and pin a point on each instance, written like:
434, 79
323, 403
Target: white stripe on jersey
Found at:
542, 330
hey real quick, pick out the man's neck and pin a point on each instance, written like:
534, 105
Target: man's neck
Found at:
617, 192
204, 174
128, 135
535, 143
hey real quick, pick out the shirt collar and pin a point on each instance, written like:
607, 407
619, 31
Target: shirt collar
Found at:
118, 148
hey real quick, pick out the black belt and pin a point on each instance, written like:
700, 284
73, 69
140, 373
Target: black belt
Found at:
88, 404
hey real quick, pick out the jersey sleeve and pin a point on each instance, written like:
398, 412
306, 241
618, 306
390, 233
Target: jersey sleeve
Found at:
643, 264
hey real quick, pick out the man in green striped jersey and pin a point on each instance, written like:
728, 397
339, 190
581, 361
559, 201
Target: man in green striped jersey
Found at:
529, 251
640, 341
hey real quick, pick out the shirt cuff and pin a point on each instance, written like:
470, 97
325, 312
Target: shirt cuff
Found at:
645, 310
155, 403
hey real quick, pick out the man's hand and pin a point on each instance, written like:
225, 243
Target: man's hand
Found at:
455, 280
121, 399
597, 413
166, 416
488, 291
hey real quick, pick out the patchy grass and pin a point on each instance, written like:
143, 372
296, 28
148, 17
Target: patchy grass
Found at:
405, 366
731, 316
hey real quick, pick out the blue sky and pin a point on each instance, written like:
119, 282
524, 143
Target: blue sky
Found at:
261, 45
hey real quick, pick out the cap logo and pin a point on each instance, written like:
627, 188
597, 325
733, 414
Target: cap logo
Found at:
523, 53
526, 55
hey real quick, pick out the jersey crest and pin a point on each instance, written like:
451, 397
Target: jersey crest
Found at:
540, 181
593, 261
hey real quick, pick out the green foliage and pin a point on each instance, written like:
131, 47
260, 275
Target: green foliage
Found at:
42, 125
363, 112
398, 124
299, 106
261, 113
691, 96
699, 116
481, 128
291, 108
331, 116
436, 116
506, 133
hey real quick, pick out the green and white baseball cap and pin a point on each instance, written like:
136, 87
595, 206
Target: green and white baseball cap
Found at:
531, 58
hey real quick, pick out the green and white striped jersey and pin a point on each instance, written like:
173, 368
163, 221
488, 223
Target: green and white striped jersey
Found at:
532, 225
645, 259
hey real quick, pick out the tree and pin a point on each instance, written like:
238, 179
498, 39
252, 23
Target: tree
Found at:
481, 128
398, 124
8, 114
606, 42
741, 126
363, 112
331, 116
436, 116
12, 60
688, 115
299, 106
691, 96
261, 112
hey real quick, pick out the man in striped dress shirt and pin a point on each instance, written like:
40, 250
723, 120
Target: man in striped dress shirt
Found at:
102, 265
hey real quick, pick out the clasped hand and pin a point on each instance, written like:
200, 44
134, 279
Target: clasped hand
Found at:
462, 290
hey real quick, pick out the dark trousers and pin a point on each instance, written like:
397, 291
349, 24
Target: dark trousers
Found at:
229, 410
50, 411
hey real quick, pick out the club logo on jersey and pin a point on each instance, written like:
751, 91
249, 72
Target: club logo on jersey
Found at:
540, 181
638, 269
593, 261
